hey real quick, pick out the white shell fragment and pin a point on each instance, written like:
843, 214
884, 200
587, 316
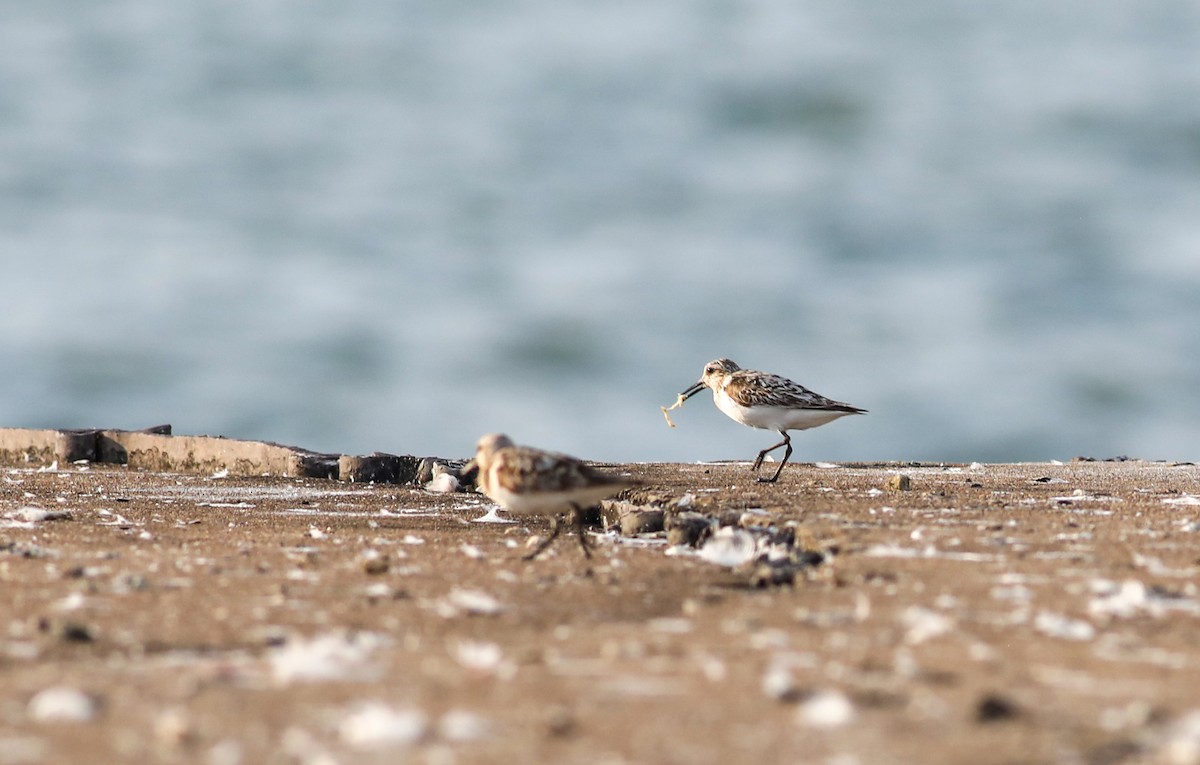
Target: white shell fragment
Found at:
443, 483
1186, 499
923, 624
473, 602
62, 704
729, 546
460, 726
825, 709
375, 725
1059, 626
38, 515
326, 658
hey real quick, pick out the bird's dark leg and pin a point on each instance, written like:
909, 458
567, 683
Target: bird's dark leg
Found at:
578, 511
787, 454
761, 455
554, 529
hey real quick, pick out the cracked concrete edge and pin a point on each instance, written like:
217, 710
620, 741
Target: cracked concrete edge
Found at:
156, 449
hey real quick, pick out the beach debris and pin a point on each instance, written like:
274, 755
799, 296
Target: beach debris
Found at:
174, 727
829, 708
472, 602
779, 682
443, 482
730, 546
485, 658
63, 704
330, 657
1064, 627
32, 515
687, 528
471, 551
492, 516
461, 726
374, 726
923, 624
1185, 499
1181, 741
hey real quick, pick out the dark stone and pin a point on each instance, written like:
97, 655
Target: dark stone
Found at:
687, 528
995, 708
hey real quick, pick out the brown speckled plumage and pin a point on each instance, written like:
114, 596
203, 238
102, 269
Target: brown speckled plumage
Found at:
529, 481
771, 402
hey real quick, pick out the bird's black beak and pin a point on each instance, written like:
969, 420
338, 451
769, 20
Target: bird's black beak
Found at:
692, 391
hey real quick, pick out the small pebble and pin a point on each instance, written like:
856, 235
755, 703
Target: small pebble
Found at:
779, 683
995, 708
687, 528
377, 564
642, 522
560, 723
173, 727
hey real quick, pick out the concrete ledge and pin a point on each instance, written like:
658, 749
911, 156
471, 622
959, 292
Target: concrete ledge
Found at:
158, 450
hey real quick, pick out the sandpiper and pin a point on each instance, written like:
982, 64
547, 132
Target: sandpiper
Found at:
529, 481
766, 401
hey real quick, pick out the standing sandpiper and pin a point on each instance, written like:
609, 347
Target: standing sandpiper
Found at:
766, 401
528, 481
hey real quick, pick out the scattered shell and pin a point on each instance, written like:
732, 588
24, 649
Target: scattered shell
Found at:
479, 656
1059, 626
173, 727
328, 657
1181, 744
779, 683
38, 515
63, 704
730, 546
825, 709
1186, 499
471, 551
460, 726
443, 483
492, 516
923, 624
374, 725
473, 602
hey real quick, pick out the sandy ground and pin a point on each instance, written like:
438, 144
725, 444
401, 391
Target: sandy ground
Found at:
989, 614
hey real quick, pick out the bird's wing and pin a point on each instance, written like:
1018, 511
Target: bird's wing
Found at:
750, 388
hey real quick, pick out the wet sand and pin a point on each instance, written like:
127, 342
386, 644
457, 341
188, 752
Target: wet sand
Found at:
1033, 613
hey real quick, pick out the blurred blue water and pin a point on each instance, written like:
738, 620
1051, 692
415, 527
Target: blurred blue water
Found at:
397, 225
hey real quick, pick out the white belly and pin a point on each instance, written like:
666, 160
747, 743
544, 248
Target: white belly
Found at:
549, 503
774, 417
